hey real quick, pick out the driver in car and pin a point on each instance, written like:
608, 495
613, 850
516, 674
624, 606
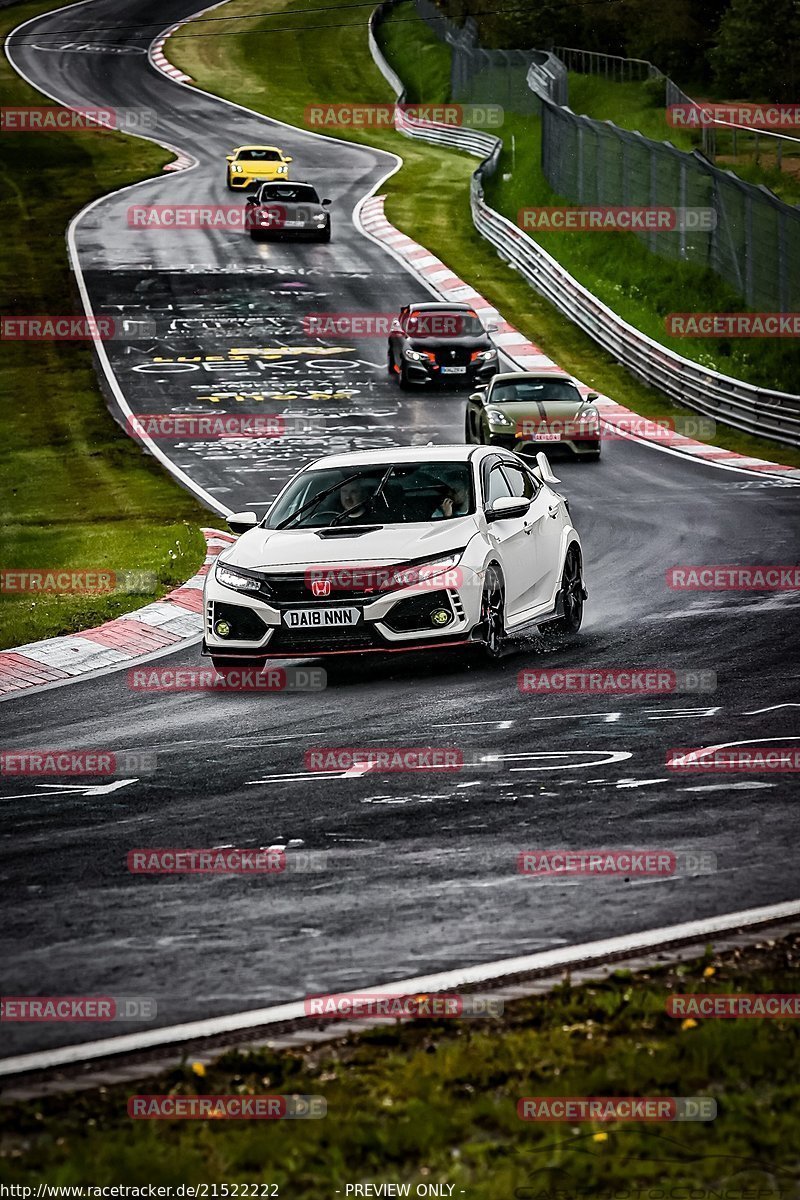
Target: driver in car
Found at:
455, 502
351, 498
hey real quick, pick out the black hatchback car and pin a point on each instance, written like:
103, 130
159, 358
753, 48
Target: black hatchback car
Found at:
440, 343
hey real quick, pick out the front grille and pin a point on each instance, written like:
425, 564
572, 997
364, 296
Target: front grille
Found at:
296, 588
311, 641
453, 356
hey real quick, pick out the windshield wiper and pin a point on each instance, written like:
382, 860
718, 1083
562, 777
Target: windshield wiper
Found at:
370, 500
316, 499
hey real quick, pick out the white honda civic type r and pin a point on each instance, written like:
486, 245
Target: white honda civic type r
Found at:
397, 550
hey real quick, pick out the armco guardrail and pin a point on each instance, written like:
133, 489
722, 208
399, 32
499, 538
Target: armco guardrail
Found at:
742, 405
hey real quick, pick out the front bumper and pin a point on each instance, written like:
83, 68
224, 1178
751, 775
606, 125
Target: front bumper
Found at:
428, 373
393, 621
531, 446
243, 181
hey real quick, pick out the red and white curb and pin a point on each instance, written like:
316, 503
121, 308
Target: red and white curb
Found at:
160, 60
162, 625
530, 357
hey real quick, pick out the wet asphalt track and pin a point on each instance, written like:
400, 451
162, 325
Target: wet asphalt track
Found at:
421, 869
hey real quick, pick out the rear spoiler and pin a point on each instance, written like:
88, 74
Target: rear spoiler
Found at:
543, 469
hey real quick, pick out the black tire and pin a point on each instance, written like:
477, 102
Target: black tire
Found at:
593, 457
493, 621
325, 236
405, 383
573, 593
469, 436
255, 234
389, 362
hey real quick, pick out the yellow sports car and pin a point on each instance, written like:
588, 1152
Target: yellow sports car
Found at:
248, 163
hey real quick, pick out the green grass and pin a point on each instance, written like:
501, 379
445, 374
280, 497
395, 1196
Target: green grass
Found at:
436, 1102
234, 67
640, 106
75, 492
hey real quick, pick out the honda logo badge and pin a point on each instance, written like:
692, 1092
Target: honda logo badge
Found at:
321, 587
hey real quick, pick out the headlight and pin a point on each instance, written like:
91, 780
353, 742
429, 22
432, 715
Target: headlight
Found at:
282, 169
484, 355
498, 418
419, 355
407, 574
321, 217
230, 577
236, 169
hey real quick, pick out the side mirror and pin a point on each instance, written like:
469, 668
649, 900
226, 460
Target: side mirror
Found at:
325, 203
477, 398
242, 521
286, 158
592, 396
545, 470
396, 326
253, 198
228, 158
507, 507
492, 327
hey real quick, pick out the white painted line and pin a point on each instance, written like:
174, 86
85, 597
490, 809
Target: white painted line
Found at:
546, 960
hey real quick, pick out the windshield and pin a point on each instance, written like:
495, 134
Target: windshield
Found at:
301, 192
532, 391
253, 155
441, 323
374, 494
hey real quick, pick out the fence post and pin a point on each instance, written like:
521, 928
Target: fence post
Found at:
748, 248
783, 265
653, 195
682, 199
580, 160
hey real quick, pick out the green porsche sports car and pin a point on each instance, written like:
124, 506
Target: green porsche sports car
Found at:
526, 412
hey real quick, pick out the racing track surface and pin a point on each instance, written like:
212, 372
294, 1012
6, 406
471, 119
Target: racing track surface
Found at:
421, 870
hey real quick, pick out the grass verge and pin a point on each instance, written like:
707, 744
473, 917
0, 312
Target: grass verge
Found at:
436, 1102
236, 67
75, 492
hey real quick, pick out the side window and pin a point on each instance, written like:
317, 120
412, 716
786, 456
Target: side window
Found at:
521, 482
498, 486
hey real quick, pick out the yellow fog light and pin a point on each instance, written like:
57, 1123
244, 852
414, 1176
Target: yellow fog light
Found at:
440, 616
222, 629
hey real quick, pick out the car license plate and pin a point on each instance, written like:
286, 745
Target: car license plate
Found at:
454, 370
547, 437
321, 618
293, 224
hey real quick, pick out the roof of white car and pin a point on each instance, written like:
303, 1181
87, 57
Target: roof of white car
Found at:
402, 454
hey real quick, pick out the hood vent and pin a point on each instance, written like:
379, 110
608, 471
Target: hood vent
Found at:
348, 533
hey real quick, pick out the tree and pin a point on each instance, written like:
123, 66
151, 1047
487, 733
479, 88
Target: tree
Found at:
757, 51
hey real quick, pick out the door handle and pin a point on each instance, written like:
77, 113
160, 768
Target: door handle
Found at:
552, 510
